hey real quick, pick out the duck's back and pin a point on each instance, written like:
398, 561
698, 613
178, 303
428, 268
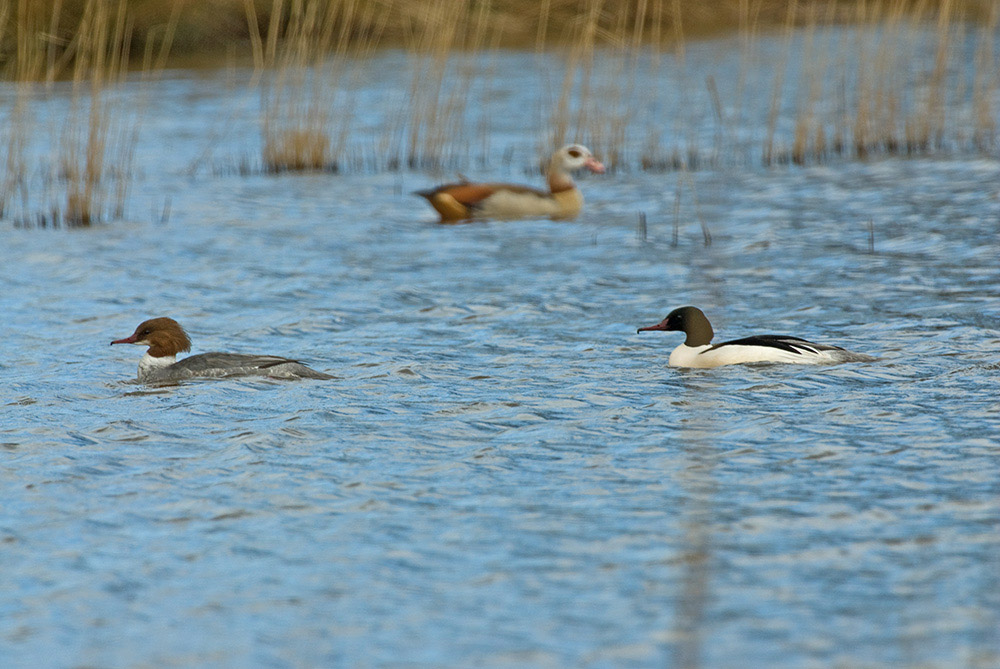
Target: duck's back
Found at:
778, 348
216, 365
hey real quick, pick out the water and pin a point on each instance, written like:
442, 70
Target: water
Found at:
504, 472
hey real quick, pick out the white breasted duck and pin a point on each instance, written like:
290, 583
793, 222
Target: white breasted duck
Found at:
166, 338
698, 350
465, 200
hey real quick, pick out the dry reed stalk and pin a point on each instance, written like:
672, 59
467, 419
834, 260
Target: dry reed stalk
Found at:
579, 62
214, 26
16, 128
586, 65
858, 90
313, 53
607, 98
430, 130
544, 9
5, 15
936, 98
294, 114
918, 126
682, 126
804, 118
885, 99
88, 180
809, 139
358, 51
985, 83
441, 145
30, 59
865, 86
600, 95
821, 147
779, 79
101, 60
646, 27
435, 43
309, 53
650, 153
748, 28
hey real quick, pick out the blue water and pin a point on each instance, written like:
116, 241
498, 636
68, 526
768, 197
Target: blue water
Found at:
504, 472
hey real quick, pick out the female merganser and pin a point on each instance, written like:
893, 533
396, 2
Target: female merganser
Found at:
465, 200
698, 351
166, 338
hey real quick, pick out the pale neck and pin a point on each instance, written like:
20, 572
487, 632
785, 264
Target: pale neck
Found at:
150, 364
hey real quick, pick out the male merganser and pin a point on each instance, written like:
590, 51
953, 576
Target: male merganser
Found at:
465, 200
166, 338
698, 351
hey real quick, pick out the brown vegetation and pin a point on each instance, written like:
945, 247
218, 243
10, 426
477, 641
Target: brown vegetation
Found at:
869, 91
206, 31
87, 173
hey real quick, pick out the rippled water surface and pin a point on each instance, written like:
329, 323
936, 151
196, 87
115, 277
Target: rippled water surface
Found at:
504, 472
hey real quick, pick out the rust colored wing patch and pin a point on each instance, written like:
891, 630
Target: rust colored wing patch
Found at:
467, 194
457, 201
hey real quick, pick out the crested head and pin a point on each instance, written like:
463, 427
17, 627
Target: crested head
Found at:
164, 336
689, 320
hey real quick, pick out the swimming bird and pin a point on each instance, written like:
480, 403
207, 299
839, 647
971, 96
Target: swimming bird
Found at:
698, 350
466, 200
166, 338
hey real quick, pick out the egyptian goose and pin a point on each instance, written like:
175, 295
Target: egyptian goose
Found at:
698, 351
463, 201
166, 338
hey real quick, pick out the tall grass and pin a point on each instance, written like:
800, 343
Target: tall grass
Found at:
890, 78
816, 81
307, 57
84, 176
850, 80
853, 80
315, 59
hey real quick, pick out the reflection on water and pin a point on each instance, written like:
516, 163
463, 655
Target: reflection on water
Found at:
504, 472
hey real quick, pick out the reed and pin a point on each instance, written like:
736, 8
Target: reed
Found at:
84, 177
843, 80
986, 84
313, 70
295, 104
776, 91
308, 59
818, 110
436, 102
867, 96
831, 96
206, 31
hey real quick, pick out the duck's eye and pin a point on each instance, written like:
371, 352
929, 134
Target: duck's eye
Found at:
573, 153
144, 332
